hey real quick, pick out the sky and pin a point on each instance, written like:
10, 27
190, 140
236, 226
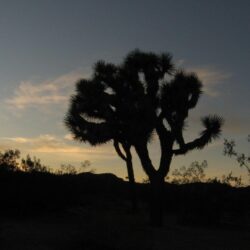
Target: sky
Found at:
46, 46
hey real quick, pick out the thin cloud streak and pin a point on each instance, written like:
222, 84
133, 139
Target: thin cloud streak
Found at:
51, 144
210, 78
55, 91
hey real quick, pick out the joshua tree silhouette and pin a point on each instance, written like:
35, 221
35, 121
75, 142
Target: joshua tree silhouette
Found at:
128, 103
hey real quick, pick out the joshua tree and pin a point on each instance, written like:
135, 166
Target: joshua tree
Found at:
128, 103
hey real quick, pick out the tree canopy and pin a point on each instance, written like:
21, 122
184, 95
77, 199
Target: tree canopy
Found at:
131, 101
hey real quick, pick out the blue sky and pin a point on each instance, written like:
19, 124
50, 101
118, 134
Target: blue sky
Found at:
47, 45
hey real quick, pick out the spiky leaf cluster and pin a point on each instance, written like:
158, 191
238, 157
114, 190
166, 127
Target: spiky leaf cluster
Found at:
115, 103
127, 102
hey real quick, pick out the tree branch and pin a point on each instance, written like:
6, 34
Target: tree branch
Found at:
213, 129
126, 149
166, 143
195, 144
142, 151
118, 150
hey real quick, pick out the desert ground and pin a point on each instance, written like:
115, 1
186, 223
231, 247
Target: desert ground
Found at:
112, 226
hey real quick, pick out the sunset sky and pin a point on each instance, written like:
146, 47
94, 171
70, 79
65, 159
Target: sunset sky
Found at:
46, 46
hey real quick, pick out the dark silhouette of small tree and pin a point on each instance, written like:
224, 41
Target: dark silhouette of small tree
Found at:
194, 173
241, 158
69, 169
33, 165
9, 160
231, 180
128, 103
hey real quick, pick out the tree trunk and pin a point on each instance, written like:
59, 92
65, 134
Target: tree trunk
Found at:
156, 201
128, 159
132, 185
156, 178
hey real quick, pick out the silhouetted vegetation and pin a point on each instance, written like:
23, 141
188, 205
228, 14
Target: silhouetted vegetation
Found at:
194, 200
72, 170
33, 165
8, 160
196, 173
96, 206
130, 102
241, 158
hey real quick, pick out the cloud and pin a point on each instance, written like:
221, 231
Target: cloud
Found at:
18, 139
210, 78
54, 91
69, 137
51, 144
